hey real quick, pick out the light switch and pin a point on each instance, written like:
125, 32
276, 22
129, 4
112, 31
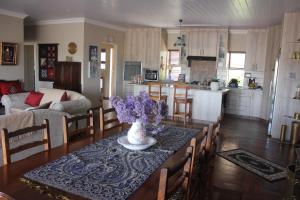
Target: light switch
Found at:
292, 75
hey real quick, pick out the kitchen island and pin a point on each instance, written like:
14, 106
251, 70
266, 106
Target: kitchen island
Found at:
207, 105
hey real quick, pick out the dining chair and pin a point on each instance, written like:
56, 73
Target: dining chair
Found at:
109, 121
182, 98
6, 136
72, 132
179, 173
211, 143
155, 92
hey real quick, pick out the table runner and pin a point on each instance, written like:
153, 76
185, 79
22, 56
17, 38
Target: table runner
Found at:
106, 170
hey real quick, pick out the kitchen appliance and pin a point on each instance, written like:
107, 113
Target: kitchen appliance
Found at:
151, 75
132, 69
272, 94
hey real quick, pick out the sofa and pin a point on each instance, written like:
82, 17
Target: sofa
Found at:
51, 99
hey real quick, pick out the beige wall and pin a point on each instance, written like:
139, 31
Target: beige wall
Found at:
12, 30
95, 35
62, 34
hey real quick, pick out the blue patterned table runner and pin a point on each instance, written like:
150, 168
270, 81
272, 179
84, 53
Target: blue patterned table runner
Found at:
106, 170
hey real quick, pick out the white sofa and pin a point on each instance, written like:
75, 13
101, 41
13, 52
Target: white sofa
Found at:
76, 105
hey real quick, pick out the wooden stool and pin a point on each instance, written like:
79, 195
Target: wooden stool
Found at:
182, 99
155, 95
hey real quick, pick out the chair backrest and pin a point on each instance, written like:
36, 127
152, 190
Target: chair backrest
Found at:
181, 95
89, 129
198, 144
108, 121
165, 189
213, 132
157, 91
6, 136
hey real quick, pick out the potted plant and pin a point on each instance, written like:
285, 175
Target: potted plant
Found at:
214, 84
137, 110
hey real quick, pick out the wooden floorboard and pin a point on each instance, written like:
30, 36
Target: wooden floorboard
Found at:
226, 180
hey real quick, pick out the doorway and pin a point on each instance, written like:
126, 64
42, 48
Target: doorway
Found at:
29, 67
107, 64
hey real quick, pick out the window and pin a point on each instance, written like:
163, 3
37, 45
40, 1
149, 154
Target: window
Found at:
173, 64
236, 65
103, 59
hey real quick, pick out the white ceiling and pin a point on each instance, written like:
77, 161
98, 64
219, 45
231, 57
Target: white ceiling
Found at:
158, 13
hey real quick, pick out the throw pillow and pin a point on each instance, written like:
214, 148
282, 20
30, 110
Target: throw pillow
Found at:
65, 97
34, 98
10, 87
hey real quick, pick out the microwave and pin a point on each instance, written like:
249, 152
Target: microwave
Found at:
151, 75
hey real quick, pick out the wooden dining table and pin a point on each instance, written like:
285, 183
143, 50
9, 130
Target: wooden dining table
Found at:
11, 175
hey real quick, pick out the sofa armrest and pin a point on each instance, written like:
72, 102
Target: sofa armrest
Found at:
73, 107
13, 100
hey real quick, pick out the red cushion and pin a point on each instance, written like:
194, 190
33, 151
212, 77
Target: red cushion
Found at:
65, 97
34, 98
10, 87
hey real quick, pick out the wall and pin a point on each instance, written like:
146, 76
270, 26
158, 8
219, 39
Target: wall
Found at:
288, 75
94, 35
13, 31
62, 34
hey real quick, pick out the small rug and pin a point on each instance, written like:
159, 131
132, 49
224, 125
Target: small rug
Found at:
255, 164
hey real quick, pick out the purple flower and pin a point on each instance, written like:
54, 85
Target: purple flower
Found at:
138, 107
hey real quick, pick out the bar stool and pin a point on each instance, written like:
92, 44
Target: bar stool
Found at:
156, 95
182, 98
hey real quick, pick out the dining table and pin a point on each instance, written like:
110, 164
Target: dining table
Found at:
16, 178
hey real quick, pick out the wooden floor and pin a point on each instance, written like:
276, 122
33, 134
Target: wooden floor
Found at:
229, 181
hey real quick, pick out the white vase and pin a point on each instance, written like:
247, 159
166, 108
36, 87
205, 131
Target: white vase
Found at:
214, 86
136, 133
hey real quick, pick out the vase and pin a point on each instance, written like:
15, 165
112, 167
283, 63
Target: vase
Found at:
137, 133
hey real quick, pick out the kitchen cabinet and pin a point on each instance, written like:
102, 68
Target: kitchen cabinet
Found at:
244, 102
292, 26
256, 49
144, 44
202, 42
222, 49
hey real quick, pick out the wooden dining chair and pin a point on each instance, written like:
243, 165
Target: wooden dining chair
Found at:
88, 129
7, 151
182, 98
211, 143
155, 92
179, 173
109, 121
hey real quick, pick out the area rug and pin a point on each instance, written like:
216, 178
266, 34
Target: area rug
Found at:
255, 164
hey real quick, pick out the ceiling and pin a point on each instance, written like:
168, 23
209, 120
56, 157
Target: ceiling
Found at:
158, 13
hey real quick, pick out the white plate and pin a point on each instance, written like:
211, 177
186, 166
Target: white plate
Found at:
148, 143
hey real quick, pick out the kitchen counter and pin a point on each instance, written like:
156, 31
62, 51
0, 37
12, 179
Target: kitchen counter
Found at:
207, 104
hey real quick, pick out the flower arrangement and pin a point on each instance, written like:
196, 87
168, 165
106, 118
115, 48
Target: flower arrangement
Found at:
140, 107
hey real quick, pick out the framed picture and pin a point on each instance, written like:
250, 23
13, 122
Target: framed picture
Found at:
93, 53
47, 61
8, 52
93, 69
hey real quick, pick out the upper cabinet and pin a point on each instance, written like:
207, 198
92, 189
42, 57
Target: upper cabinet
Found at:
292, 27
222, 48
144, 44
202, 42
256, 49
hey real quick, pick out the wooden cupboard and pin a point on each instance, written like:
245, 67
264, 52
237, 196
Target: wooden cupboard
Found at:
68, 76
256, 49
144, 44
202, 42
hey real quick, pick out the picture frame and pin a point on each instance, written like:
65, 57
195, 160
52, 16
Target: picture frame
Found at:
93, 53
48, 57
8, 52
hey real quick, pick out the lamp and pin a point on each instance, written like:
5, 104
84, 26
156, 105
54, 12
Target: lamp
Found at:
180, 39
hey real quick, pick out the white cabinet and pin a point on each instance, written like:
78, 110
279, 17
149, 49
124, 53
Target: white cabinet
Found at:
244, 102
222, 49
292, 27
143, 44
202, 42
256, 49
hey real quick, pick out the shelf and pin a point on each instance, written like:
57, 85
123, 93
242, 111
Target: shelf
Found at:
297, 42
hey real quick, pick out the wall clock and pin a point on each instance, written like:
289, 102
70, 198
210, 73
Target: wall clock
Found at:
72, 48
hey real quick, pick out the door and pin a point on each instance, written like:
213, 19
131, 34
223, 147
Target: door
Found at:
107, 59
29, 73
